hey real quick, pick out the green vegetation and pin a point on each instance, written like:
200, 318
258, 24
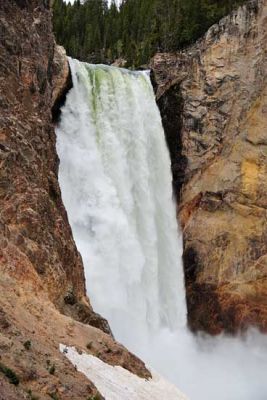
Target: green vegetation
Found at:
89, 345
54, 396
52, 369
95, 397
27, 344
11, 376
32, 396
92, 31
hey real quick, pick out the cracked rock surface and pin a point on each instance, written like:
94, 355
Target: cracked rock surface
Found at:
213, 101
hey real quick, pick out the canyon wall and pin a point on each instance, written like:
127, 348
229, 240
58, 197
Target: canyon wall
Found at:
43, 299
213, 101
36, 240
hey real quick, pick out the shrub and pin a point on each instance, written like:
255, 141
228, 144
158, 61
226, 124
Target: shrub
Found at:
11, 376
32, 396
95, 397
27, 344
54, 396
89, 345
52, 369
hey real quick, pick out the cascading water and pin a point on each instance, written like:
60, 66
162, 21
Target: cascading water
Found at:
116, 181
116, 185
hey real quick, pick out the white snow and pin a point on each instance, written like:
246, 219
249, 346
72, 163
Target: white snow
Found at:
116, 383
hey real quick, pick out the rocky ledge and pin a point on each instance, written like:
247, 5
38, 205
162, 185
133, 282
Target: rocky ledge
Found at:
213, 101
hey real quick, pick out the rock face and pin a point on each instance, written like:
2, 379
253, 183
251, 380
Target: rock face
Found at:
61, 80
41, 272
213, 101
36, 240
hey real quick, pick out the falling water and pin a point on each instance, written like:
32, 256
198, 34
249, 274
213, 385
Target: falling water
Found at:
116, 181
116, 185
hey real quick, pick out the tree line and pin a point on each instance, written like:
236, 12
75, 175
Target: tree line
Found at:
92, 31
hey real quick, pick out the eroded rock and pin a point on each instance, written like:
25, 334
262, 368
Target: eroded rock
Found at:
61, 82
213, 100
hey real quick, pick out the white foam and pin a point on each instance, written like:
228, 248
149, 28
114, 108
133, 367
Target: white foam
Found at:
116, 183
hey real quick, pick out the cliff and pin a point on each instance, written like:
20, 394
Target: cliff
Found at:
34, 223
43, 299
213, 101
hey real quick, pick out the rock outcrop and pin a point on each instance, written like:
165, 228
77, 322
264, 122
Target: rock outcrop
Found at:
36, 240
43, 299
213, 101
61, 80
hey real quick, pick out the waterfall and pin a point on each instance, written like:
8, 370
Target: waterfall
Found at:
116, 184
115, 177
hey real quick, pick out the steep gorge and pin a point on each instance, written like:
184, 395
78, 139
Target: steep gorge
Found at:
213, 102
43, 299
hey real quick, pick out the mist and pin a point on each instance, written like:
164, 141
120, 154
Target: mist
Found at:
116, 184
207, 368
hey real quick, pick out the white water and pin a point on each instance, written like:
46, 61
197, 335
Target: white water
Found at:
116, 184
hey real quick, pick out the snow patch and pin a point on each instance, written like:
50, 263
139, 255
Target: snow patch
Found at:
116, 383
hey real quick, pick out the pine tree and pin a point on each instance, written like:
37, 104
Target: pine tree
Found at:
92, 31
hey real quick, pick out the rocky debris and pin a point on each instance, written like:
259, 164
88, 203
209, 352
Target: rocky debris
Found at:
213, 101
41, 271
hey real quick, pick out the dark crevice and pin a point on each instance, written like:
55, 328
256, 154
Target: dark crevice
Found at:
60, 101
171, 110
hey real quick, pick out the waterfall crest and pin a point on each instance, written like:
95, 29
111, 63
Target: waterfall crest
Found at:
116, 184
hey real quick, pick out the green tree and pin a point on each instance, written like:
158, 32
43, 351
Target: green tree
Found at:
92, 31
